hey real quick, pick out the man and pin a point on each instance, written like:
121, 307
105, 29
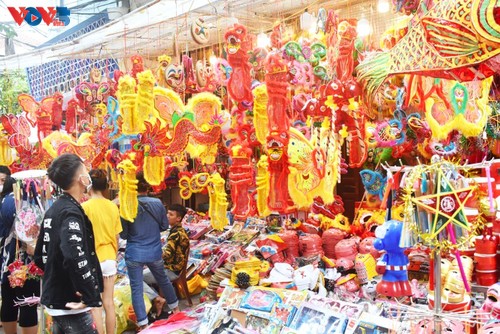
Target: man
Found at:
174, 252
144, 249
65, 250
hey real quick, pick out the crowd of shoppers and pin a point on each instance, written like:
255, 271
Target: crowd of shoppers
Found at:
77, 248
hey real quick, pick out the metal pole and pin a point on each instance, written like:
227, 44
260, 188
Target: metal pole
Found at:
437, 291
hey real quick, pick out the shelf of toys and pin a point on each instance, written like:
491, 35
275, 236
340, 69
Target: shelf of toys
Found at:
261, 130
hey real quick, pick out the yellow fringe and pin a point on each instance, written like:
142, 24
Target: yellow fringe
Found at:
217, 202
128, 190
144, 102
260, 121
126, 98
262, 182
6, 157
154, 169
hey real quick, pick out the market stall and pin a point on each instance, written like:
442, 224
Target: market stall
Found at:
264, 124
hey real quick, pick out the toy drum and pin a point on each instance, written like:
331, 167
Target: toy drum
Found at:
486, 277
486, 244
485, 261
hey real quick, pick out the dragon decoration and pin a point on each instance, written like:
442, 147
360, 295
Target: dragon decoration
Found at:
282, 115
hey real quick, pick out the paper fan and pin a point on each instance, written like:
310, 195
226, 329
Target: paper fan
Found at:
27, 223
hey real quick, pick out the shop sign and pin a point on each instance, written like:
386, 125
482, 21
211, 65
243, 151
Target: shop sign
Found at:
55, 16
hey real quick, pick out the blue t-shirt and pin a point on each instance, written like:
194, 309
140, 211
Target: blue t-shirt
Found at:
143, 235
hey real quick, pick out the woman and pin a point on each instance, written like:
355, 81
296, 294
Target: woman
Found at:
105, 219
9, 312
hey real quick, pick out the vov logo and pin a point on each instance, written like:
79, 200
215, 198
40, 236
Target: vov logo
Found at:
56, 16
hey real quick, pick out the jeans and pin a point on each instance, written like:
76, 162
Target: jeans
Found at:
81, 323
136, 284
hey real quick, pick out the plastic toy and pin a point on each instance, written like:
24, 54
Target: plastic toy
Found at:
394, 262
366, 247
491, 327
426, 326
491, 307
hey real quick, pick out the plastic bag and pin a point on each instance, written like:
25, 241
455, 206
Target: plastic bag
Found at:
125, 315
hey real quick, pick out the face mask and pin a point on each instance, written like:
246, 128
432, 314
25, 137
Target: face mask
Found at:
1, 188
89, 186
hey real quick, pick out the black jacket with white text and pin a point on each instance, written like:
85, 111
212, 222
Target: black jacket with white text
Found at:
65, 250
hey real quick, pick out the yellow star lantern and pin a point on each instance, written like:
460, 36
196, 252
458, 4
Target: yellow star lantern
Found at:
447, 205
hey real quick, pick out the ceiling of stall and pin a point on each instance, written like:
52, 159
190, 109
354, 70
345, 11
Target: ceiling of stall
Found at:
163, 26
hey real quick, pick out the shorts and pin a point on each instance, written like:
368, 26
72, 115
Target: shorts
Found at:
27, 315
108, 268
80, 323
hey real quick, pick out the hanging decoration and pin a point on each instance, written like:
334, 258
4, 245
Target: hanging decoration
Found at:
192, 184
46, 115
237, 47
91, 95
452, 41
466, 109
217, 202
260, 120
128, 190
163, 62
262, 184
199, 31
174, 77
241, 179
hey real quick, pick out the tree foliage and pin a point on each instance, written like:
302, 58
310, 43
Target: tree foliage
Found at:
12, 83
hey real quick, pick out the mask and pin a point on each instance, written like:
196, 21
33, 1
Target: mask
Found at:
1, 188
89, 186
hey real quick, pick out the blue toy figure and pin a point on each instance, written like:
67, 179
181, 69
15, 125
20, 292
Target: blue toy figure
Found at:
393, 264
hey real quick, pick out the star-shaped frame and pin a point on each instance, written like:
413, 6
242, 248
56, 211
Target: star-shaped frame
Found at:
447, 205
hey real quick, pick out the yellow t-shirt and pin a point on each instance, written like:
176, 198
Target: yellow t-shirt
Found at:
105, 219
